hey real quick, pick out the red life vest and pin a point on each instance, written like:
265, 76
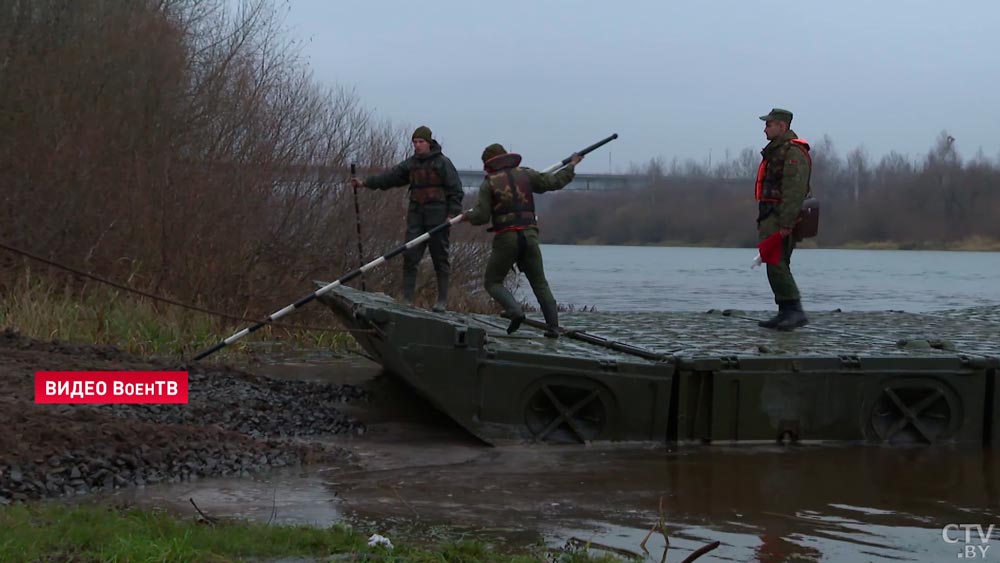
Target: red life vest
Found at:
771, 171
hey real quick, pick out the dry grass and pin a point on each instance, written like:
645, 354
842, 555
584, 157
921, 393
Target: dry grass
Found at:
103, 316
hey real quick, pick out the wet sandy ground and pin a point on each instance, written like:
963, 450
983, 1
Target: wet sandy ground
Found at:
419, 476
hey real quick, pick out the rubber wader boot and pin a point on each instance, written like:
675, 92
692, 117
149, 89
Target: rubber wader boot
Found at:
442, 301
515, 321
794, 318
783, 307
511, 308
409, 287
551, 313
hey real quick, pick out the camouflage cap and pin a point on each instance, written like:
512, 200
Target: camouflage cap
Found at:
496, 149
422, 132
778, 114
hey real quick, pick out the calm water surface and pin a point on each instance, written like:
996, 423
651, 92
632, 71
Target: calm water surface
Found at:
646, 278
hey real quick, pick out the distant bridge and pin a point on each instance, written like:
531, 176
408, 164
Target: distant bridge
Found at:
471, 179
595, 182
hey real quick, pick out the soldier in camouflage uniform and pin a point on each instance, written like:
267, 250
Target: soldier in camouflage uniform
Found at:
435, 192
506, 198
782, 185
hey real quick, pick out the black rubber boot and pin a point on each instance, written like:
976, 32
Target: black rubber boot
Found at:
794, 318
442, 300
511, 308
551, 313
783, 310
409, 287
515, 321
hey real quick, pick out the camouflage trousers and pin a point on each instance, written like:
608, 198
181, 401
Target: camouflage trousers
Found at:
419, 220
780, 275
521, 248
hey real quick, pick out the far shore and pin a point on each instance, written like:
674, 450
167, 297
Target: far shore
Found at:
974, 244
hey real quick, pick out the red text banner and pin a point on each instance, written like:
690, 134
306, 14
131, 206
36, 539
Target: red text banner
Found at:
106, 387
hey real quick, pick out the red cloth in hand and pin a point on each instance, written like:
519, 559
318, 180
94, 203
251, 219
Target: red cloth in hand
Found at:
771, 249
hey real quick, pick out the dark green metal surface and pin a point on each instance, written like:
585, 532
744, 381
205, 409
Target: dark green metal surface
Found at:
878, 377
895, 400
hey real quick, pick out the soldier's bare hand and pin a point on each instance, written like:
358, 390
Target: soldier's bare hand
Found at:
575, 159
785, 231
357, 183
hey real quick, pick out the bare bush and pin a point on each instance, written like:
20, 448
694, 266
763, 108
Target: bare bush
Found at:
185, 147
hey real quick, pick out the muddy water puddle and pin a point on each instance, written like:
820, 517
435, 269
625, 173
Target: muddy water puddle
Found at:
419, 477
767, 504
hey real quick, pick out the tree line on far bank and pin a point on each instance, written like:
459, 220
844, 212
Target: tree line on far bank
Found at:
937, 201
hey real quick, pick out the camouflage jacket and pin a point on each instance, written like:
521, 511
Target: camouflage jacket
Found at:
783, 179
490, 205
431, 178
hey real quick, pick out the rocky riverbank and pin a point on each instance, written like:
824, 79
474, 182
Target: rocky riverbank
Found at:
235, 423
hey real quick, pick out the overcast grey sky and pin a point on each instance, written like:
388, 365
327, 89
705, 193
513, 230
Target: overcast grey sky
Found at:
673, 79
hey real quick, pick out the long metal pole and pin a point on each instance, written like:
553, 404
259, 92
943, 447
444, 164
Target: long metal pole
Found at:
591, 148
340, 281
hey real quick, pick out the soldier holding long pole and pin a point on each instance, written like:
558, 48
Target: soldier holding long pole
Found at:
422, 239
435, 193
506, 198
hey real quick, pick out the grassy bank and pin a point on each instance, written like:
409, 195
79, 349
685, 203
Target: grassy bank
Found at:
93, 533
107, 316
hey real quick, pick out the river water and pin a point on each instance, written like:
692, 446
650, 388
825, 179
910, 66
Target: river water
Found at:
650, 278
